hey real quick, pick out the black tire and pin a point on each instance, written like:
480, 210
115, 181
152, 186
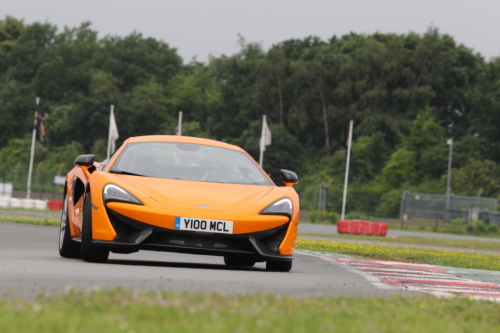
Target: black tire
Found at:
278, 266
67, 247
242, 262
90, 252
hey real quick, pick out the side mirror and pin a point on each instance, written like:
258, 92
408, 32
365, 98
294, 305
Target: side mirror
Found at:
85, 160
289, 178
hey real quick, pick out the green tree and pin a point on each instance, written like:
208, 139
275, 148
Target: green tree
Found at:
285, 152
272, 77
477, 178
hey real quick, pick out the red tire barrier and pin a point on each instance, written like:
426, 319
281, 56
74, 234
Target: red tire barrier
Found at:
55, 204
343, 227
358, 227
383, 229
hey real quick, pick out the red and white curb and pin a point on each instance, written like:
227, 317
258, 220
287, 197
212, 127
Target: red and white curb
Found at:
423, 278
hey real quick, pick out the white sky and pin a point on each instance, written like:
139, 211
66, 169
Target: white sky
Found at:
203, 27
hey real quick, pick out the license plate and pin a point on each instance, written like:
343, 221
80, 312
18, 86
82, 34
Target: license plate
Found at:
204, 225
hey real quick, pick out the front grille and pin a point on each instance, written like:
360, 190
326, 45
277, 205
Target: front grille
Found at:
162, 238
200, 241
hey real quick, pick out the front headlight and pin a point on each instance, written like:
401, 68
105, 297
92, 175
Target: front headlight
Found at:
114, 192
280, 207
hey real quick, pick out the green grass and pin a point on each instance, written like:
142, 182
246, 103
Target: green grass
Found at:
25, 220
464, 244
404, 253
125, 311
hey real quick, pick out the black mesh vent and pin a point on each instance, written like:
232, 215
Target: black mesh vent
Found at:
274, 241
122, 229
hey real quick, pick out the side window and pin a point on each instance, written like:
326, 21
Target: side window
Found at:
78, 189
103, 164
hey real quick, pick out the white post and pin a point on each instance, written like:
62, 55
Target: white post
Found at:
262, 143
30, 170
349, 144
179, 125
108, 154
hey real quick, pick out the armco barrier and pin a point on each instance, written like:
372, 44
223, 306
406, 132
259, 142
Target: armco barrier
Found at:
23, 203
358, 227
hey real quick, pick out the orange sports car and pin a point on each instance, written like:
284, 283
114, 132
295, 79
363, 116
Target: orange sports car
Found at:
179, 194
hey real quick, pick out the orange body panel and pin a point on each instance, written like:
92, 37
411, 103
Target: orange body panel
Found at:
166, 199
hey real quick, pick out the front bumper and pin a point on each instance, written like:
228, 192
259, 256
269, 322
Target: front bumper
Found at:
133, 235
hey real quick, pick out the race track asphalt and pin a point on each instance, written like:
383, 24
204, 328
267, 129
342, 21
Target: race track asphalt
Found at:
30, 264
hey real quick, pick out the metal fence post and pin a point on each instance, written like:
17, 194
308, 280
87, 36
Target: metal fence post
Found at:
41, 189
437, 212
368, 210
403, 208
4, 182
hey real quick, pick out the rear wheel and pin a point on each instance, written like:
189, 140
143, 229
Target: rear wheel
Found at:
90, 252
278, 266
67, 247
242, 262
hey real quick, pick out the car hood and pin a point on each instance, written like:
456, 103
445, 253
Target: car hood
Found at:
197, 194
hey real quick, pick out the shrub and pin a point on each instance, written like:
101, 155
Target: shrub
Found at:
479, 226
317, 216
313, 216
333, 217
457, 221
455, 224
493, 229
355, 216
470, 229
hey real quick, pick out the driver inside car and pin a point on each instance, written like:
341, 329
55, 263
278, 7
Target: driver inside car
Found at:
209, 169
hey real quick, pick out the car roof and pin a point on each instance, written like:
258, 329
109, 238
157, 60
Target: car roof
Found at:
184, 139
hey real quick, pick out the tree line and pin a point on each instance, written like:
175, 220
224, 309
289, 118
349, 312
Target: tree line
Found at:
407, 93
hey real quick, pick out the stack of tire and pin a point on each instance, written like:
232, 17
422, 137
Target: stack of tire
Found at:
360, 227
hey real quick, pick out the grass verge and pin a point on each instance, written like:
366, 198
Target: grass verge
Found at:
464, 244
405, 253
25, 220
124, 311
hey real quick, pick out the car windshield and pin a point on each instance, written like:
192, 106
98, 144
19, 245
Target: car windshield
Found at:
189, 161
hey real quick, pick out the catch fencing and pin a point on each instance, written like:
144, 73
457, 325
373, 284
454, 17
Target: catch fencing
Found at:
433, 207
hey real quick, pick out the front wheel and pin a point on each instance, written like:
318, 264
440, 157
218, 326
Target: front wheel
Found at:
67, 247
90, 252
278, 266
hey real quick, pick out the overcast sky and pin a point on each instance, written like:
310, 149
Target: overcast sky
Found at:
203, 27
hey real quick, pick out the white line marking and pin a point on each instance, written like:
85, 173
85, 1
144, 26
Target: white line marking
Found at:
370, 278
415, 277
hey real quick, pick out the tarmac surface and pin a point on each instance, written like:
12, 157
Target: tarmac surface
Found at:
30, 264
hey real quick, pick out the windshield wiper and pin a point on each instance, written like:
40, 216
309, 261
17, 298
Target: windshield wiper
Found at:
121, 172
